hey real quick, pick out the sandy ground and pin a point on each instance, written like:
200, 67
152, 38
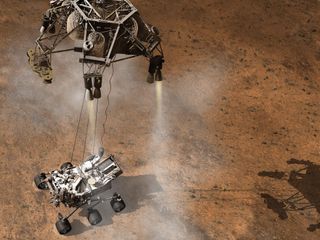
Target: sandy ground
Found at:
240, 98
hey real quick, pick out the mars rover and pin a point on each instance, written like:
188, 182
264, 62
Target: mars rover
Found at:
104, 32
77, 186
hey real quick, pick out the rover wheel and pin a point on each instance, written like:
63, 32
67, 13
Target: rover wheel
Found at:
94, 217
63, 226
66, 165
39, 181
117, 203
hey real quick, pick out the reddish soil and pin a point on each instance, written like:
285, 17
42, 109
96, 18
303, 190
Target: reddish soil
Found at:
240, 98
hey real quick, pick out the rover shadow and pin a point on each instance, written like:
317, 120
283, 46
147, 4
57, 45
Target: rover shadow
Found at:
78, 227
306, 180
275, 205
135, 190
275, 174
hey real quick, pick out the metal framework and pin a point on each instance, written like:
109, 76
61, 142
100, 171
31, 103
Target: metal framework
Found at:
116, 23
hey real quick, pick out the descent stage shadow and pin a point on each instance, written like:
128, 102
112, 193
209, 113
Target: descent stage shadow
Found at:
305, 180
135, 190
